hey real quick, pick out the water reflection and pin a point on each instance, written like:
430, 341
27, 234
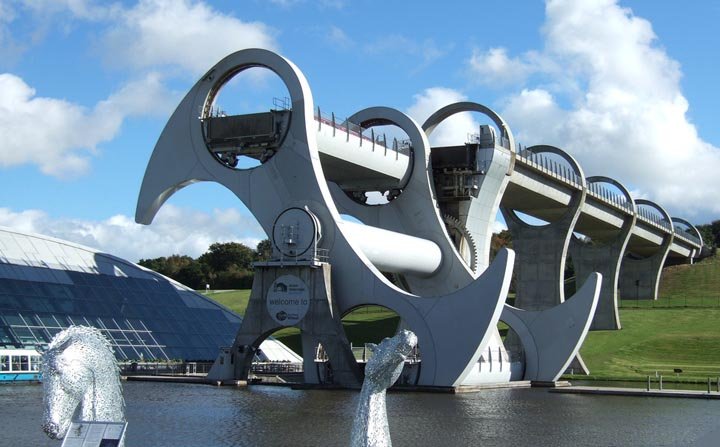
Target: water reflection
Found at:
201, 415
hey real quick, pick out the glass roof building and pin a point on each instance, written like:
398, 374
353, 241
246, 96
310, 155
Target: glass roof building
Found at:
47, 284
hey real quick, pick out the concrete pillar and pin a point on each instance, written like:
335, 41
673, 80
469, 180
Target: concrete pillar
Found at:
540, 260
320, 324
605, 258
541, 250
640, 278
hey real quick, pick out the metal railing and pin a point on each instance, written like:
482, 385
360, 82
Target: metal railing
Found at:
347, 128
654, 219
549, 166
689, 237
276, 367
600, 192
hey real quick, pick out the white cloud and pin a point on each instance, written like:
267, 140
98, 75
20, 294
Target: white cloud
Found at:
329, 4
452, 131
81, 9
495, 67
186, 34
616, 105
59, 136
285, 3
153, 36
338, 37
174, 231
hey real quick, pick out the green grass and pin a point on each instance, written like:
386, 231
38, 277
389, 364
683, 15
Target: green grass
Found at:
679, 330
657, 340
235, 300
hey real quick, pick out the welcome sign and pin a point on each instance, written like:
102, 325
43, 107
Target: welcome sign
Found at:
288, 300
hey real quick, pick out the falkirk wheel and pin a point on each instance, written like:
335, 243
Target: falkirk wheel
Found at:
323, 266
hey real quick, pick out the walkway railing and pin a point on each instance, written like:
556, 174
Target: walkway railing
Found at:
547, 165
598, 191
348, 128
653, 219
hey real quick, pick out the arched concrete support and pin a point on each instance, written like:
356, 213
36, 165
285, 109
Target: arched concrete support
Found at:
640, 278
446, 324
542, 250
552, 338
478, 214
605, 258
321, 324
693, 229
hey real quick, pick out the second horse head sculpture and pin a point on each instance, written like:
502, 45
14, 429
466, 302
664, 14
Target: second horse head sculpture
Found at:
80, 374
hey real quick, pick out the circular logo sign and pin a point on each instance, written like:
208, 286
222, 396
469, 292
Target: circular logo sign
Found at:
288, 300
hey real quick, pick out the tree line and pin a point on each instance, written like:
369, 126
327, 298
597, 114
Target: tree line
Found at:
225, 265
710, 233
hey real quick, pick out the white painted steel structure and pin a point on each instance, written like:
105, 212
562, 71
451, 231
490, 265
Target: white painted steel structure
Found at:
315, 164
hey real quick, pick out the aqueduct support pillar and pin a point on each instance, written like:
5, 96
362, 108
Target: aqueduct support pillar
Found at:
294, 296
605, 257
640, 278
541, 251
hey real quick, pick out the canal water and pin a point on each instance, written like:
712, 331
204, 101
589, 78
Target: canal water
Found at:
163, 414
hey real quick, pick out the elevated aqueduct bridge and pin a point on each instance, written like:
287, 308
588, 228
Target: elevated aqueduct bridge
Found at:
433, 234
629, 239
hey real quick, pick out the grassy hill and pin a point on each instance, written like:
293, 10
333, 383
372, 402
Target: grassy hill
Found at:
680, 330
657, 340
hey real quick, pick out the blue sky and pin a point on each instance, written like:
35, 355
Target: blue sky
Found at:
627, 87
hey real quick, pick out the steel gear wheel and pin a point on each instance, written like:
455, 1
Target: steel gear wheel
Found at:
463, 240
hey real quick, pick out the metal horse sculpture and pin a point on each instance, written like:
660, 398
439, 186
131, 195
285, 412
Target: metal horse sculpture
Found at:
382, 370
80, 376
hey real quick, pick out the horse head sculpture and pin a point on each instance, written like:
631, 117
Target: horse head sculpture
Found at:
80, 376
382, 370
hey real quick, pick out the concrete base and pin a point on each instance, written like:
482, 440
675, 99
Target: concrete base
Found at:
320, 325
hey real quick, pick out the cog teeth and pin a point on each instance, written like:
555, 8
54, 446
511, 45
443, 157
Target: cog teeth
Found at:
453, 223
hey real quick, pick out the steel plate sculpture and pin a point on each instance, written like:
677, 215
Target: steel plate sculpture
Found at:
80, 378
382, 370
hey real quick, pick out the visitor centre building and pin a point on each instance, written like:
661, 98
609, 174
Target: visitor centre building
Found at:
47, 284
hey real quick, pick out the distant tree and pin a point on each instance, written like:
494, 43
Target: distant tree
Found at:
168, 266
710, 233
192, 275
500, 240
155, 264
263, 252
222, 256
